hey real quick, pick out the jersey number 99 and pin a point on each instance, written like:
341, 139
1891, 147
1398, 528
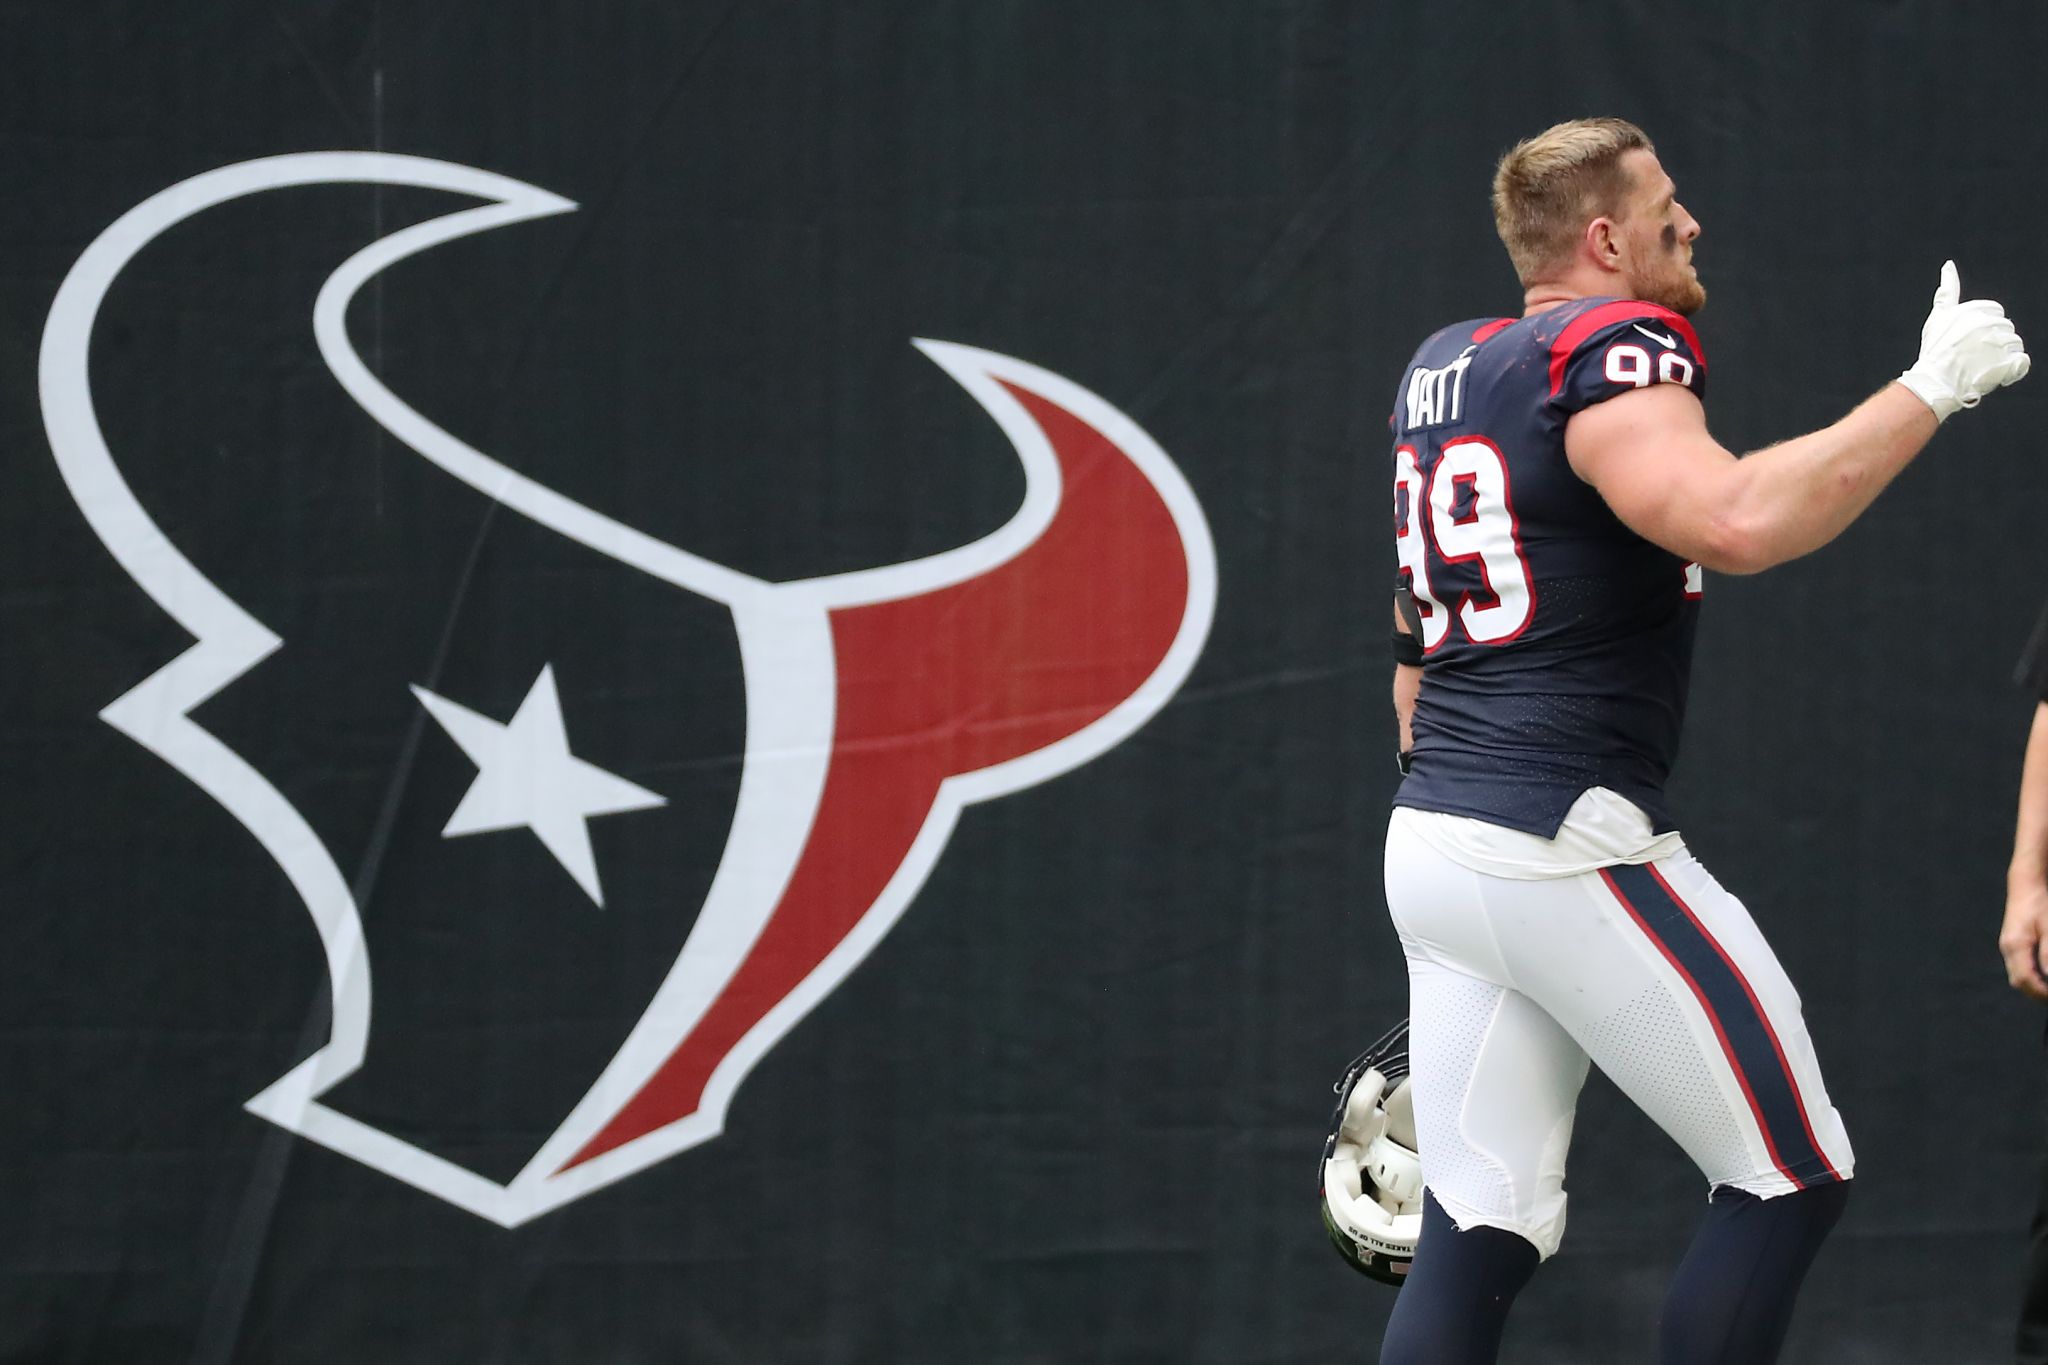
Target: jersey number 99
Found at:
1432, 528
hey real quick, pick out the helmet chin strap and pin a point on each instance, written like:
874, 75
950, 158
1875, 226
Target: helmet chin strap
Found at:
1401, 1115
1391, 1159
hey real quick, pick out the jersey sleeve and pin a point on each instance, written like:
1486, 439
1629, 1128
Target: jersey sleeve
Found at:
2032, 673
1619, 347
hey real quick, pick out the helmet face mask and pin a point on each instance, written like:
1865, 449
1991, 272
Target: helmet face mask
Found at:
1371, 1173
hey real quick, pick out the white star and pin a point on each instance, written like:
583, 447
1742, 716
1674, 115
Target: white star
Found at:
527, 776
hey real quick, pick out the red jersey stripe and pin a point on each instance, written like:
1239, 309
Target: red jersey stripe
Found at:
1622, 310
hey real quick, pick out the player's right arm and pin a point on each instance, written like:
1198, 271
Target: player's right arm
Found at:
1407, 687
1649, 454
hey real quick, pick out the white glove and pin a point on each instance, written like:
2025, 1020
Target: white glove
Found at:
1966, 350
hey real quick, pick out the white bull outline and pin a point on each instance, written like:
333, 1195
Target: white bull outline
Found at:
785, 647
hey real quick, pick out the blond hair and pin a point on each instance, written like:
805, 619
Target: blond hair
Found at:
1548, 187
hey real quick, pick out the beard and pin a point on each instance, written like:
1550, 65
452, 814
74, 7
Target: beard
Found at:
1682, 294
1673, 284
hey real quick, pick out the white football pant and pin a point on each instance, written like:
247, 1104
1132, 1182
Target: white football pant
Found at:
1654, 972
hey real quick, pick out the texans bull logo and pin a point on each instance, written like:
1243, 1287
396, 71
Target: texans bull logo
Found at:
878, 703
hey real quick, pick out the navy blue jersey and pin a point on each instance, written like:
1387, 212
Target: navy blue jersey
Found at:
1557, 642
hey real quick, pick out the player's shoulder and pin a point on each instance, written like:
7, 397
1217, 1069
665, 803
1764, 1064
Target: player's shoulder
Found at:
1600, 348
1447, 343
1432, 388
1592, 323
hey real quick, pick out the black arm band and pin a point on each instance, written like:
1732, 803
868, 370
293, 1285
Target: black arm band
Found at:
1407, 649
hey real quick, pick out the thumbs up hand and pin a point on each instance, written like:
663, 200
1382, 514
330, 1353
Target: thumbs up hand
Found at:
1966, 350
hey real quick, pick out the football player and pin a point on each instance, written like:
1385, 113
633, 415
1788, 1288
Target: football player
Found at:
1556, 496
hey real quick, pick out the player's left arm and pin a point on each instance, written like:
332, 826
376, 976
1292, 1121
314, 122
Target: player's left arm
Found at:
2021, 937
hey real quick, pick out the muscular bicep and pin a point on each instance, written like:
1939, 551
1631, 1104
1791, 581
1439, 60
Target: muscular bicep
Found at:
1650, 456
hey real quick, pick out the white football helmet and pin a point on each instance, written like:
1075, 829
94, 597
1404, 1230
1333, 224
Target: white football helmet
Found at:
1371, 1174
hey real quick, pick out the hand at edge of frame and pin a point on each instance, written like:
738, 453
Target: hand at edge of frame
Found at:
2021, 939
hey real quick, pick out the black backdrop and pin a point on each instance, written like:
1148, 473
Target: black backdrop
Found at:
1067, 1109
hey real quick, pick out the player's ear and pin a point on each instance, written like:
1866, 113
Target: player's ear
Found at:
1603, 240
